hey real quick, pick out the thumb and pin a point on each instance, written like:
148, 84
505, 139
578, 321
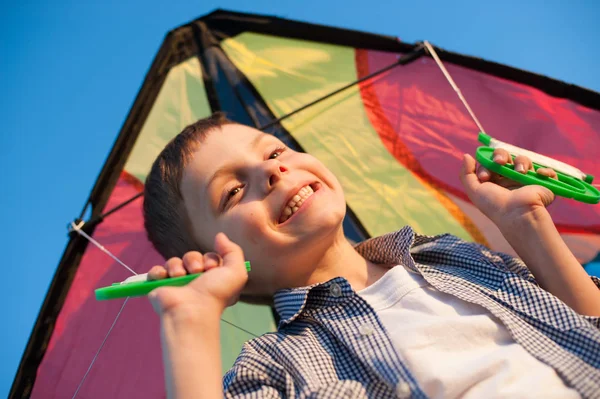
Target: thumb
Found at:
163, 299
232, 254
468, 176
545, 194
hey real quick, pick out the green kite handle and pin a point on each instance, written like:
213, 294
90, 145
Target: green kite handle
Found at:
565, 186
141, 288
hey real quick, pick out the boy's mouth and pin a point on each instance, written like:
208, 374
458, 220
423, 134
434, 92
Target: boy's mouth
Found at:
297, 200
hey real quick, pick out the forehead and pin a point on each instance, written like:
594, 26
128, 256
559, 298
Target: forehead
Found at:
226, 145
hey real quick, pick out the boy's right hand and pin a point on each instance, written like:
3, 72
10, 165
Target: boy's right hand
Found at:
224, 276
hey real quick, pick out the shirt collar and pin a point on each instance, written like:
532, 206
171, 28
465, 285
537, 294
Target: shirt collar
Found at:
391, 248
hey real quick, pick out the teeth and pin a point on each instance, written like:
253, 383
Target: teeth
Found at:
296, 202
303, 193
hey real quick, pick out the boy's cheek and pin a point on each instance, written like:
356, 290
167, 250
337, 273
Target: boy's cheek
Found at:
249, 230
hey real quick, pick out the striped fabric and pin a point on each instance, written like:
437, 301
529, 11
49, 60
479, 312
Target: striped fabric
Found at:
331, 344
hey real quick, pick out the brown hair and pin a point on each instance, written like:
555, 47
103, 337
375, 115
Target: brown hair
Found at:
165, 219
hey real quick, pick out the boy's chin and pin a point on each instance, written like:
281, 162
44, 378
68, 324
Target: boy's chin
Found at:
323, 230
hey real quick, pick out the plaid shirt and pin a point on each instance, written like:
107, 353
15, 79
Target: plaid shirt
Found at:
323, 350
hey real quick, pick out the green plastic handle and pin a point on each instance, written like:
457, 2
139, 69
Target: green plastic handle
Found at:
141, 288
565, 186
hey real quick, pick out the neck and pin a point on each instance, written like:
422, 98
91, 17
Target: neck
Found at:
341, 260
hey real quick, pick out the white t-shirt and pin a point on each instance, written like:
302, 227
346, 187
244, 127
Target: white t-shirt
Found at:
455, 348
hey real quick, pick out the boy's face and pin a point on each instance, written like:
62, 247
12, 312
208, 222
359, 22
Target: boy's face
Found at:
242, 182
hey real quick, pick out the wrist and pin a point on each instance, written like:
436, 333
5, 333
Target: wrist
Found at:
190, 338
192, 315
522, 223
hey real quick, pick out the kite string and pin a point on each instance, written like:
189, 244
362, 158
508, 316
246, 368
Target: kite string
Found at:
99, 349
558, 165
77, 228
451, 81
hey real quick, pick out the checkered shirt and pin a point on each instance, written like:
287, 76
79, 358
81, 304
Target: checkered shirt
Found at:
331, 344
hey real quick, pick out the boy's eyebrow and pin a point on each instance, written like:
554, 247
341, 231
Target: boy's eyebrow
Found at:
226, 169
256, 141
222, 171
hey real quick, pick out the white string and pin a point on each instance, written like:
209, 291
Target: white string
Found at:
100, 348
541, 159
77, 228
454, 86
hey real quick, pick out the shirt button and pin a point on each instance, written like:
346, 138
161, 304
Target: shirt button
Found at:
365, 330
403, 390
335, 290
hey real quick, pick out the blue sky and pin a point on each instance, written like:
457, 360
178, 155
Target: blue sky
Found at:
71, 70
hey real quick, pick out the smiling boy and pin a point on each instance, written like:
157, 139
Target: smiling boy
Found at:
400, 315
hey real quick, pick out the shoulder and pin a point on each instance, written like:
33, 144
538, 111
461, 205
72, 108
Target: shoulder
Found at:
448, 249
258, 356
255, 370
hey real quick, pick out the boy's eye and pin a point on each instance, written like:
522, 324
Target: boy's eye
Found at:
233, 192
277, 152
228, 195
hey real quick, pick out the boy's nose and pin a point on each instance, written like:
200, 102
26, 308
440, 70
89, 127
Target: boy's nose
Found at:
275, 171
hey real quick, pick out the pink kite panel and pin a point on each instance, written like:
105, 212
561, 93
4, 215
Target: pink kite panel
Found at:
431, 128
130, 364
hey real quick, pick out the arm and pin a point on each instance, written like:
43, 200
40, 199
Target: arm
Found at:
190, 317
191, 353
520, 214
540, 246
192, 358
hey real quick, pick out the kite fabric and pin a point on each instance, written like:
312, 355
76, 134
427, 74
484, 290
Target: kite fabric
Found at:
394, 140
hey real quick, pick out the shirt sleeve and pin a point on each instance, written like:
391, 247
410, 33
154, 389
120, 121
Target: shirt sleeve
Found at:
255, 376
496, 259
518, 267
509, 262
243, 382
445, 247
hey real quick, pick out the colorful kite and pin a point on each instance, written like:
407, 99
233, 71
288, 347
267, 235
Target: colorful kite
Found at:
393, 136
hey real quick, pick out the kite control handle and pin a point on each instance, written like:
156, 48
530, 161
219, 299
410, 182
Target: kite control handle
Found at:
571, 183
133, 288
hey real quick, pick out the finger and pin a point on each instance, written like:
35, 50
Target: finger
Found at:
505, 182
548, 172
522, 164
157, 273
212, 260
546, 195
467, 175
175, 267
193, 262
501, 156
483, 174
157, 299
232, 254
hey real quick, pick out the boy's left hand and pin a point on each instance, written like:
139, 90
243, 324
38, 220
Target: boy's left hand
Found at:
503, 200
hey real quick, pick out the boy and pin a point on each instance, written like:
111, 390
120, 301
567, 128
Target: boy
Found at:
400, 315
